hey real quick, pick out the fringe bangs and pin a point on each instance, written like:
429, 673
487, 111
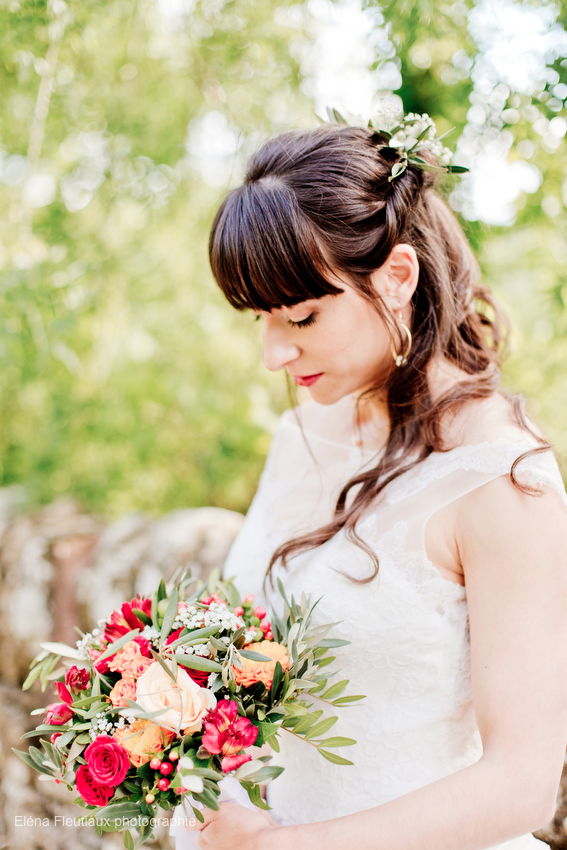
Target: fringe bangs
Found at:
263, 251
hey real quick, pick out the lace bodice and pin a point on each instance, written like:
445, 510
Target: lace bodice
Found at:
408, 627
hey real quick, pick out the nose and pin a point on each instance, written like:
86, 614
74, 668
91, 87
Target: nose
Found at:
278, 348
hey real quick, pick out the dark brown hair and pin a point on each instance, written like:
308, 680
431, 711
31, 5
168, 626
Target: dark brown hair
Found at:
319, 201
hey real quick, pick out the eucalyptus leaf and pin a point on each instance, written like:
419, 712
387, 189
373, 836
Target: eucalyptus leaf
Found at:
253, 656
63, 650
334, 758
337, 742
347, 699
170, 614
197, 662
322, 727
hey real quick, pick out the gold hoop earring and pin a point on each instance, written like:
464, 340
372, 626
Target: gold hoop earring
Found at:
402, 359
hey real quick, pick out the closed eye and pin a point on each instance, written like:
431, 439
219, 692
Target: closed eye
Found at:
304, 323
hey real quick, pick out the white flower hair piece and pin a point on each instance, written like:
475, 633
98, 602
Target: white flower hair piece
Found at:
408, 135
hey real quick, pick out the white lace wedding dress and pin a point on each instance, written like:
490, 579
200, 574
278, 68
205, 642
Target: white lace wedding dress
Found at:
408, 628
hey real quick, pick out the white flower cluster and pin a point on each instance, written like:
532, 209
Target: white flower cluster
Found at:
388, 117
201, 649
85, 643
406, 139
215, 614
101, 725
150, 633
90, 639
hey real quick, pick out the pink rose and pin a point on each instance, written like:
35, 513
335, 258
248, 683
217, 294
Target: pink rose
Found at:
57, 714
129, 661
123, 690
90, 790
107, 760
77, 678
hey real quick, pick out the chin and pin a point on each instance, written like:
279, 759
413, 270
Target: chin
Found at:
328, 395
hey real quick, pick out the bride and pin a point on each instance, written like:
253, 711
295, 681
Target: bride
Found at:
410, 492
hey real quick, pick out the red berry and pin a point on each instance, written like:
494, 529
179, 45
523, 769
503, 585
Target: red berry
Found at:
180, 789
166, 768
266, 626
173, 756
239, 610
163, 784
260, 612
150, 798
155, 763
268, 636
248, 598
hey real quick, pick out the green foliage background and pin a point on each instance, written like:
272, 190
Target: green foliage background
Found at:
126, 380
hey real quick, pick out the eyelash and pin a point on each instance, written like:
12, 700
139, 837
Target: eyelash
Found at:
304, 323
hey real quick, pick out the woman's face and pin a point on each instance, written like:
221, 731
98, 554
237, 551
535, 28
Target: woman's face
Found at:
334, 345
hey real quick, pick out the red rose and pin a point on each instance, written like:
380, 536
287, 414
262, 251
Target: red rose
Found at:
173, 636
100, 666
107, 760
200, 677
90, 790
77, 678
57, 714
144, 645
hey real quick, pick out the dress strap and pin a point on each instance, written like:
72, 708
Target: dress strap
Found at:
449, 475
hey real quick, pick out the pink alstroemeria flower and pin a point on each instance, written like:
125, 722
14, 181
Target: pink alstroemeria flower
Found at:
227, 734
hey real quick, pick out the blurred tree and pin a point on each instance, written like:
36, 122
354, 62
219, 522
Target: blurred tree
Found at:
126, 379
458, 63
112, 385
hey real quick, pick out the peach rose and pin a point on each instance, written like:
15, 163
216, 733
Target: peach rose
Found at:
129, 661
123, 690
183, 703
142, 740
261, 671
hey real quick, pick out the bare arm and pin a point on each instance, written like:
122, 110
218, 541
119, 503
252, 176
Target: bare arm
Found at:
514, 553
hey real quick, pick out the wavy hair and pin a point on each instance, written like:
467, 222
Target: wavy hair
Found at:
318, 202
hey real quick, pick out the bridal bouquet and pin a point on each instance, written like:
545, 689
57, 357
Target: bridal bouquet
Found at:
170, 693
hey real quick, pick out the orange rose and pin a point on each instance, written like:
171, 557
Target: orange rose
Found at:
123, 690
142, 740
261, 671
129, 661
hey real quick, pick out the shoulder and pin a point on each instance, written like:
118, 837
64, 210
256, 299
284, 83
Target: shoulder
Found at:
482, 420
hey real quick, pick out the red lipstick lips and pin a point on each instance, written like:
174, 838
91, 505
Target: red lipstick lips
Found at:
306, 380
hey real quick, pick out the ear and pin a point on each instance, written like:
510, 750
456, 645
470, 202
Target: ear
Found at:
396, 279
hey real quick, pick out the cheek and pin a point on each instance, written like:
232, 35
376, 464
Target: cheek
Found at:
362, 340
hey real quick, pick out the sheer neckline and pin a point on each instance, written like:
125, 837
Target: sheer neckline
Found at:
359, 450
